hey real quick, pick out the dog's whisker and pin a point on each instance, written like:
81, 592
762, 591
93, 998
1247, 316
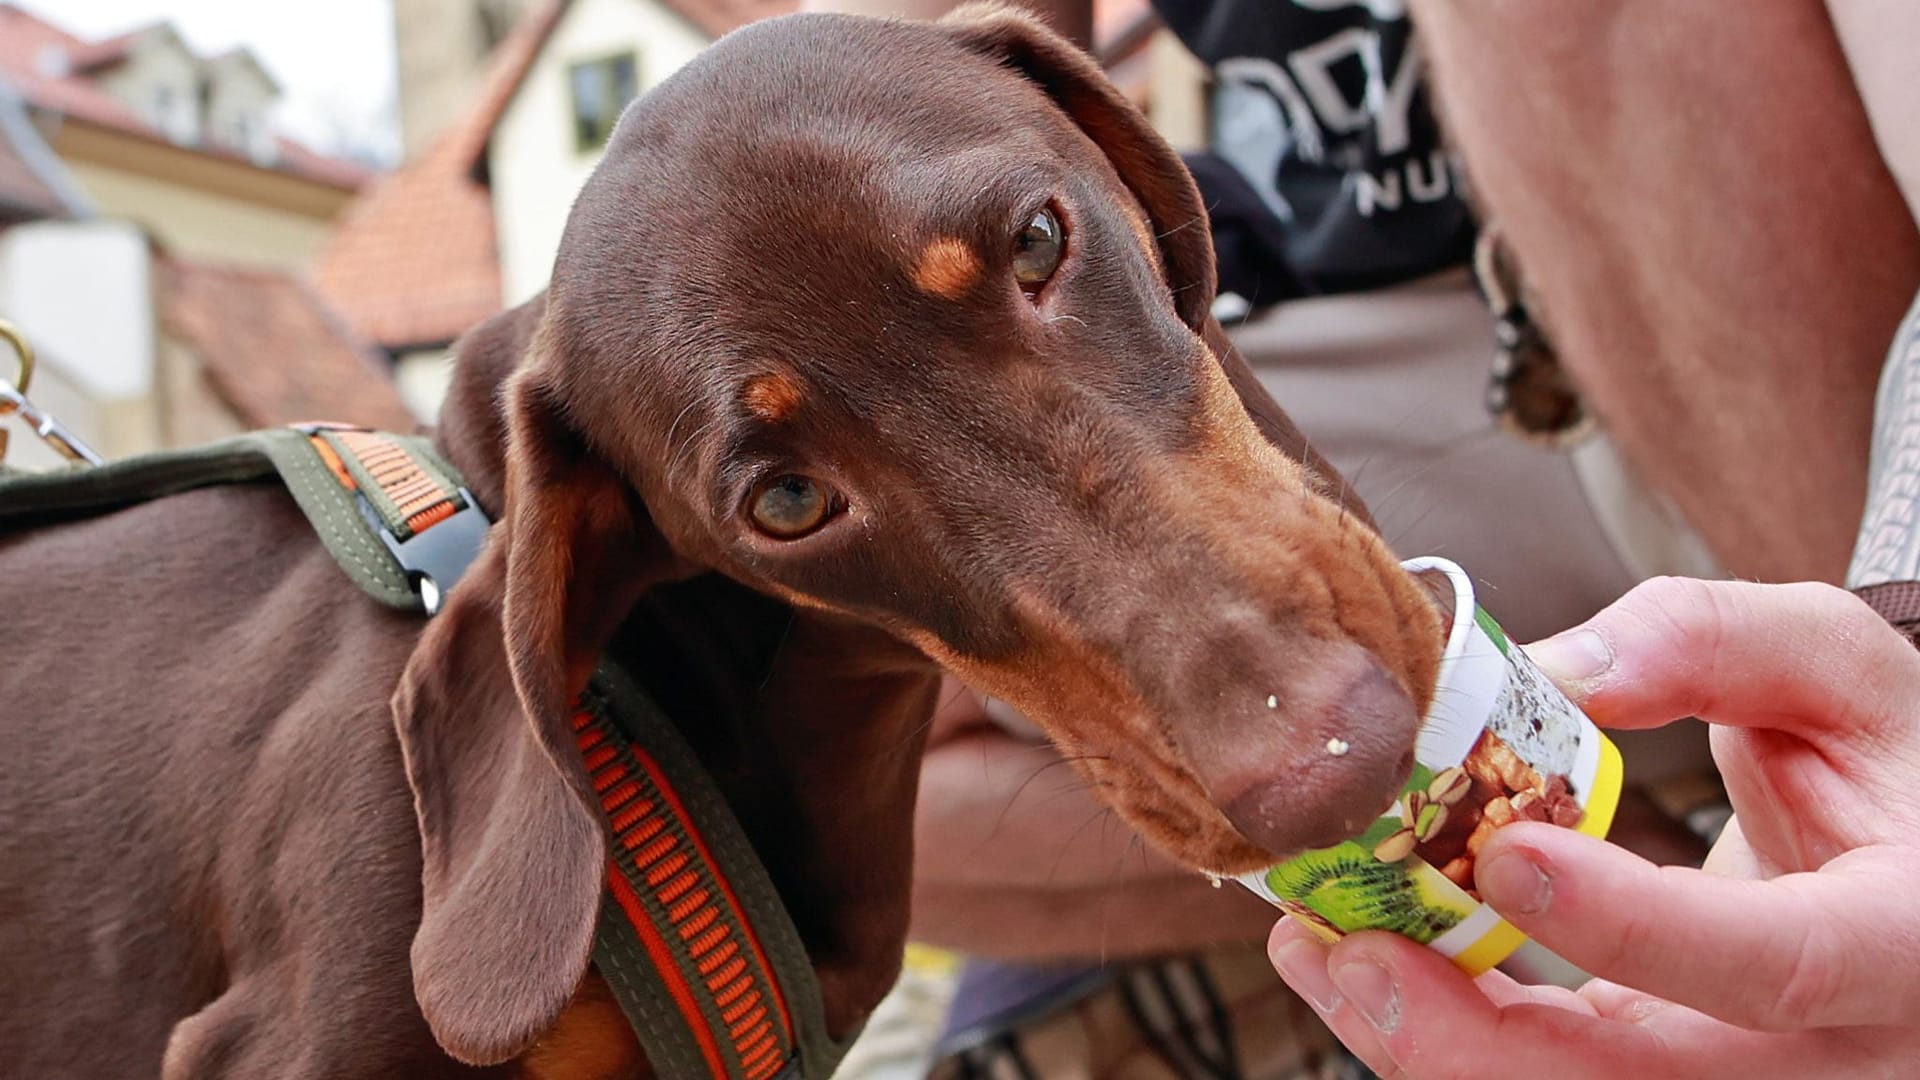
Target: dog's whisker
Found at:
673, 461
679, 416
1017, 792
1067, 844
1182, 227
1401, 532
1435, 459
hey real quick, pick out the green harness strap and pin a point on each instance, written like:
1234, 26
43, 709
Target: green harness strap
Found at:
285, 453
693, 939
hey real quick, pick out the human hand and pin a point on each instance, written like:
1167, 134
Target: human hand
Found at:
1792, 954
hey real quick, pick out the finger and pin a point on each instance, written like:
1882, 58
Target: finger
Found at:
1696, 1045
1800, 951
1301, 960
1731, 856
1503, 990
1791, 656
1432, 1021
1435, 1024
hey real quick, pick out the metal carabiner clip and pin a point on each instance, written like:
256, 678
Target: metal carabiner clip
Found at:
13, 399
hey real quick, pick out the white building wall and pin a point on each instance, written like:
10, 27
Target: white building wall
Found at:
239, 103
82, 293
535, 168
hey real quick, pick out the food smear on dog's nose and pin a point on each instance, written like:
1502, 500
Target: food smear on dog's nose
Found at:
1499, 744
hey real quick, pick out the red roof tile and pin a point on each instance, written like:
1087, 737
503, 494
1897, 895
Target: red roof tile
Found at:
719, 17
413, 260
42, 61
273, 350
106, 53
24, 193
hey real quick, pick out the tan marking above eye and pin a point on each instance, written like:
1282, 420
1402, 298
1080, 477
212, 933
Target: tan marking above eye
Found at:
772, 397
947, 268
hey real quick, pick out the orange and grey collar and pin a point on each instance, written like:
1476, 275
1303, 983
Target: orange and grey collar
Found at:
690, 961
701, 955
429, 524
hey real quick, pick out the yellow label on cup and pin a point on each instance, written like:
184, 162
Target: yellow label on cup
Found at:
1499, 744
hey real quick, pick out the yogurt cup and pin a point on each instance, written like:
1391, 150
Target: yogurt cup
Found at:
1499, 744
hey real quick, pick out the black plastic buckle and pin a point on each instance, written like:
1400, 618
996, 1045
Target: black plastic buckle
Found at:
435, 557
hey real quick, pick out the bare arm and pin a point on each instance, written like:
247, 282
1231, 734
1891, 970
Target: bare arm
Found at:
1879, 38
1716, 243
1072, 18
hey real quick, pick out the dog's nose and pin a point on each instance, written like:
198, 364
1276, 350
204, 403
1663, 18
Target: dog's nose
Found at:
1319, 763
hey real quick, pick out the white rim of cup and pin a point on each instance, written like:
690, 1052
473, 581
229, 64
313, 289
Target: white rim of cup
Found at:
1463, 602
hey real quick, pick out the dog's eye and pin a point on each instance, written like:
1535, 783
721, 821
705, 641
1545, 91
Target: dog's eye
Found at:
1036, 251
790, 506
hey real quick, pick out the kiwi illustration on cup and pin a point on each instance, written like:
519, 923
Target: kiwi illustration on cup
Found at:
1499, 744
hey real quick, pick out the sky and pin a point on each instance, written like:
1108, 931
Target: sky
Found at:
334, 59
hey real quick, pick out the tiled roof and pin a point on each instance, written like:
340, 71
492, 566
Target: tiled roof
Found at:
24, 192
40, 60
107, 52
273, 350
719, 17
413, 260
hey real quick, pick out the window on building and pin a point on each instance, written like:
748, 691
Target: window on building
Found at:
176, 114
163, 107
601, 88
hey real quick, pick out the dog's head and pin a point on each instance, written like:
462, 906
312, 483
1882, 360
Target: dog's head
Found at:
906, 324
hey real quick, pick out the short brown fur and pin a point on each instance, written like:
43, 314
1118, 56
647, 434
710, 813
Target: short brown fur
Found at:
258, 825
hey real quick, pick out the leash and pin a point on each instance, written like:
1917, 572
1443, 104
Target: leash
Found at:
693, 939
13, 400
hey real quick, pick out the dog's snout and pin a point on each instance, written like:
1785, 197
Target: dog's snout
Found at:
1316, 762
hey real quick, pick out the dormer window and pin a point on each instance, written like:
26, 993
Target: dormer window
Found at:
601, 88
162, 105
177, 115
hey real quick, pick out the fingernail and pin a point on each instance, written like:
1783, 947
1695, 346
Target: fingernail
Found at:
1368, 986
1576, 656
1513, 884
1304, 965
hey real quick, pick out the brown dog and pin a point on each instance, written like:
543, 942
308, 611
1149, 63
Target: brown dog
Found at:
871, 347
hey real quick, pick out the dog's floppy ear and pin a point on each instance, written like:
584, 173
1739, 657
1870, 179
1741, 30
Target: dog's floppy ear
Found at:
514, 856
1146, 164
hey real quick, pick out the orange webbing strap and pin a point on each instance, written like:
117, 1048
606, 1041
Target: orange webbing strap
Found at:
430, 524
410, 493
674, 929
